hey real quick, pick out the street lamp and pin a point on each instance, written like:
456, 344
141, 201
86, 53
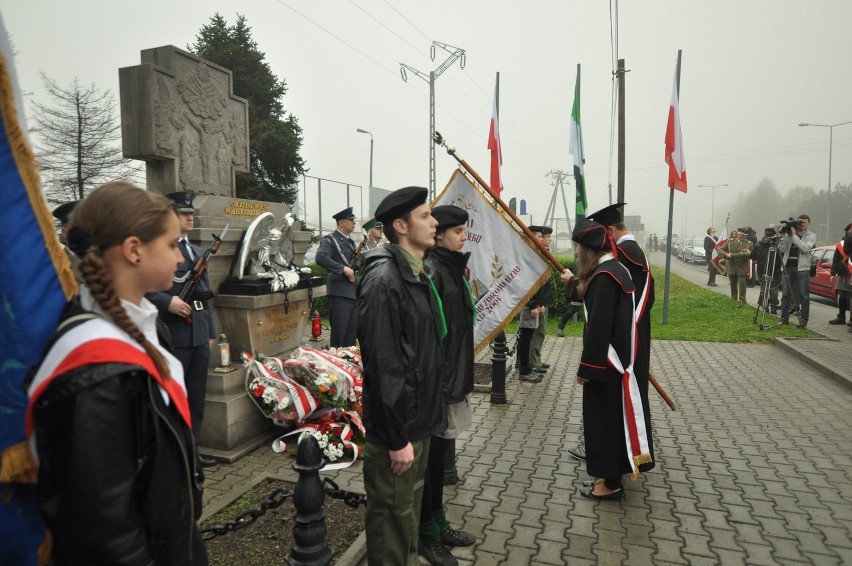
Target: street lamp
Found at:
712, 199
830, 143
360, 131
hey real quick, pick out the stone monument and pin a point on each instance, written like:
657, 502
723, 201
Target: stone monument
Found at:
180, 116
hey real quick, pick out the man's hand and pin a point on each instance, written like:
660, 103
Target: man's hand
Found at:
178, 307
566, 275
402, 459
349, 274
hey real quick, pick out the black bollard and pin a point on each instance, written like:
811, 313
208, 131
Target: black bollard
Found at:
309, 533
451, 474
498, 370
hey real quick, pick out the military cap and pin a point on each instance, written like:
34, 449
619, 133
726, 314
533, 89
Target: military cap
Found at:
608, 215
372, 224
63, 211
345, 214
590, 234
534, 228
400, 202
449, 216
183, 199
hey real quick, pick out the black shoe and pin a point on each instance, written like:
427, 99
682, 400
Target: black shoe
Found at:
837, 320
590, 483
544, 366
579, 452
540, 369
452, 537
436, 554
617, 495
207, 461
560, 332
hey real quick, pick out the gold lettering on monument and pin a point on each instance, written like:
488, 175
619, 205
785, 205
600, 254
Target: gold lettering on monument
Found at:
281, 324
243, 208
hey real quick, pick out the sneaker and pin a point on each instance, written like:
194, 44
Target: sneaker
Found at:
579, 452
452, 537
436, 554
837, 320
530, 378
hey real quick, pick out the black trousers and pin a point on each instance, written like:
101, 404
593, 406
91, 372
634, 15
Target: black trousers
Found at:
343, 318
195, 362
433, 489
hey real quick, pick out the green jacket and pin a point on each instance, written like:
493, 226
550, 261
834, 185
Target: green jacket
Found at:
740, 253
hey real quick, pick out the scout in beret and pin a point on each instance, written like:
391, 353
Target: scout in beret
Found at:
401, 329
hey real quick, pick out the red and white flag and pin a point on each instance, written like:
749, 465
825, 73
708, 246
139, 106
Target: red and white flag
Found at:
674, 144
496, 151
717, 261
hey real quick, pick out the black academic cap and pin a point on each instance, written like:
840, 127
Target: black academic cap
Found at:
608, 215
63, 211
345, 214
183, 199
590, 234
400, 202
449, 216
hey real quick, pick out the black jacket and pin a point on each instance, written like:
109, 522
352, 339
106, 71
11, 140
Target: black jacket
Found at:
761, 254
399, 328
447, 269
117, 477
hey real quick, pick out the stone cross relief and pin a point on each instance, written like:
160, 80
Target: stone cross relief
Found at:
199, 134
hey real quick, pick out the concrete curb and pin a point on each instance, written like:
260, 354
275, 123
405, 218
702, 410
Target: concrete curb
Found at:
355, 553
789, 346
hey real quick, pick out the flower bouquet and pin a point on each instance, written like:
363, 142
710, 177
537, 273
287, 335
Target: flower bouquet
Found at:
330, 378
340, 435
280, 398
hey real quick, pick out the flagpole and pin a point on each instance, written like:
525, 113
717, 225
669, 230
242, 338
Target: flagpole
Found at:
671, 214
530, 236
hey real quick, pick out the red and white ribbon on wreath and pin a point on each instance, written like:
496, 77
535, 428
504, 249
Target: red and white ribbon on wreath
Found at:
355, 382
344, 436
303, 399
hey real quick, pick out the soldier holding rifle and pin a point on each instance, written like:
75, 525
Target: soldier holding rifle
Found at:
190, 319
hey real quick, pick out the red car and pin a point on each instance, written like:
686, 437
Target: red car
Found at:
821, 283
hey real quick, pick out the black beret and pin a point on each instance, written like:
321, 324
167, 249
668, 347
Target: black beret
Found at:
183, 199
449, 216
400, 202
63, 211
545, 230
590, 234
608, 215
372, 224
534, 228
345, 214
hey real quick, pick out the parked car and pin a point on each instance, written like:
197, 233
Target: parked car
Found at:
821, 283
693, 251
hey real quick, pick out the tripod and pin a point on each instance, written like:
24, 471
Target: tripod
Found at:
766, 286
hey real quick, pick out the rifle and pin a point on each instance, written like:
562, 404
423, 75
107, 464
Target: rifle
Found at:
199, 268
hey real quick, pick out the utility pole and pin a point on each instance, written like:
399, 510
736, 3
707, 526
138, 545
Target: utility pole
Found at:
456, 53
559, 177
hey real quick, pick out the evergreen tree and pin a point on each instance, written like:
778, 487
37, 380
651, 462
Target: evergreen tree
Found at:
275, 136
78, 141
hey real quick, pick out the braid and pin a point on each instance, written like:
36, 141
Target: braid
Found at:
99, 281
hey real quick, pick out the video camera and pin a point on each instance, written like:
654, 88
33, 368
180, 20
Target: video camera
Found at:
788, 225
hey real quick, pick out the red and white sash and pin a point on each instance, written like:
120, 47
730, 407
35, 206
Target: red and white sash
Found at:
99, 341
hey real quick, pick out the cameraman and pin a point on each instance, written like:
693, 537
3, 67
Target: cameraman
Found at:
795, 245
768, 273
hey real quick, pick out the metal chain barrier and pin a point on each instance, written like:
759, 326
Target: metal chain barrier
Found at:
351, 499
273, 501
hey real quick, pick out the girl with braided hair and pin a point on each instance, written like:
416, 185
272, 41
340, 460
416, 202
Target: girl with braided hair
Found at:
108, 419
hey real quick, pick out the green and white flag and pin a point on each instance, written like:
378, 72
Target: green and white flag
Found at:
576, 149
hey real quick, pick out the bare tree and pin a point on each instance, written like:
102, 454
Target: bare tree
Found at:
78, 141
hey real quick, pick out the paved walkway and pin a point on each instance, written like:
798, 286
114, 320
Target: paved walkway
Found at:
755, 467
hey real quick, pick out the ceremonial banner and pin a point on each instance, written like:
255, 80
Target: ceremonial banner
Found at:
35, 283
505, 270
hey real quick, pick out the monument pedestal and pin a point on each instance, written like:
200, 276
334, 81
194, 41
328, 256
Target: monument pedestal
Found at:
233, 425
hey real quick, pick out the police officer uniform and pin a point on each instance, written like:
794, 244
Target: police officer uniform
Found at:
337, 252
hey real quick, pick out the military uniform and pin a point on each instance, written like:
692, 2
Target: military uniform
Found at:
337, 252
738, 266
